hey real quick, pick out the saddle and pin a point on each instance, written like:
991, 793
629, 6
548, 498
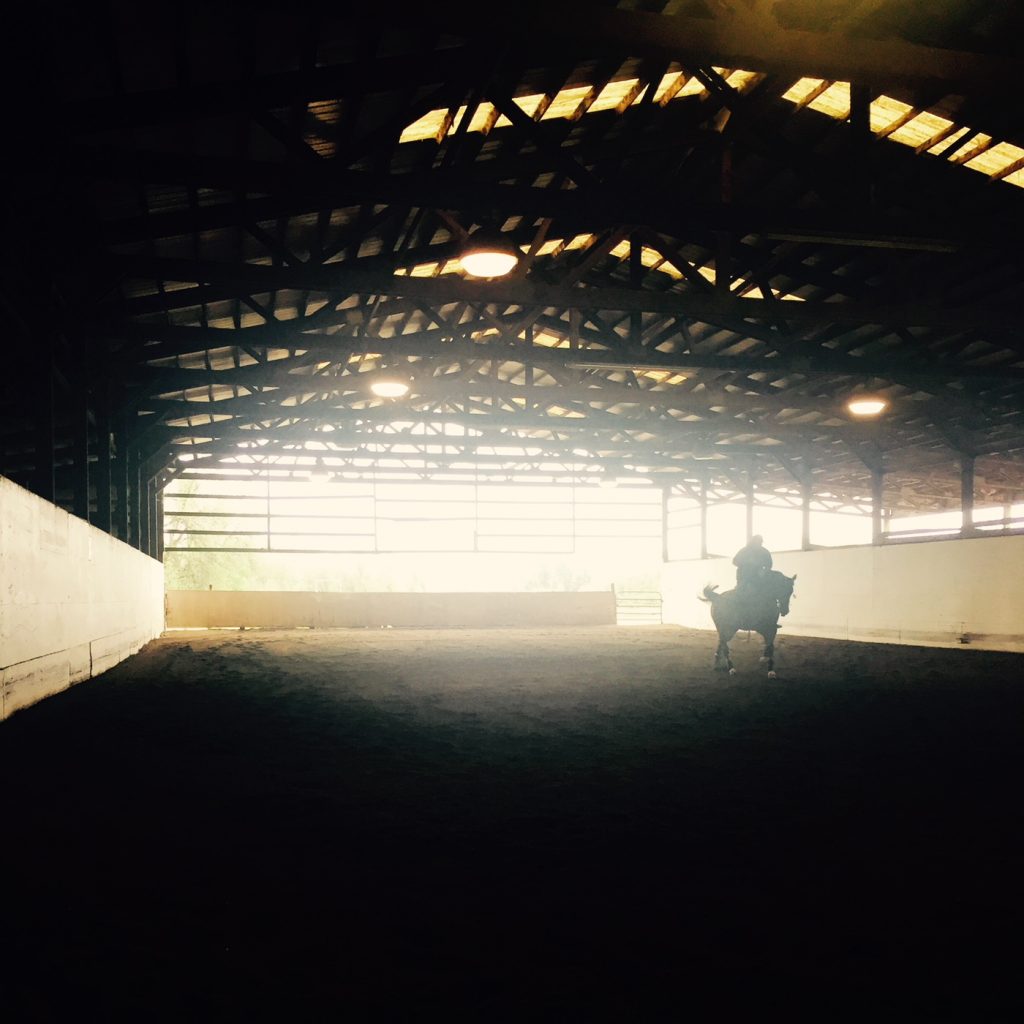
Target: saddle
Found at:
753, 595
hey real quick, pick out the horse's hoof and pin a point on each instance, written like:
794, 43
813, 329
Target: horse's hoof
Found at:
732, 671
772, 675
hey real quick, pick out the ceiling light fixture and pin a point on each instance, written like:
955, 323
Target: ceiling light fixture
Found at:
866, 406
389, 388
489, 253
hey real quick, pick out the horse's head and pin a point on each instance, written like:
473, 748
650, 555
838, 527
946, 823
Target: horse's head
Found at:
785, 591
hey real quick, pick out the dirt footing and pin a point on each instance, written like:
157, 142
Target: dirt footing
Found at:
511, 825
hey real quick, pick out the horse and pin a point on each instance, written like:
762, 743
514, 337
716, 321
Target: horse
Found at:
756, 608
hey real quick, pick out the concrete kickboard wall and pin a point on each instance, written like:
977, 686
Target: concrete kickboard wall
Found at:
285, 609
948, 593
74, 601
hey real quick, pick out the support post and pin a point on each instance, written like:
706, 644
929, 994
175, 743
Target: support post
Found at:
43, 472
121, 489
80, 453
160, 519
704, 515
862, 139
102, 476
750, 505
134, 502
877, 481
806, 492
665, 494
154, 518
966, 494
145, 517
636, 274
723, 262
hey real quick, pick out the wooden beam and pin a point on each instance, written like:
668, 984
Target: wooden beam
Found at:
577, 210
334, 280
587, 410
436, 344
308, 85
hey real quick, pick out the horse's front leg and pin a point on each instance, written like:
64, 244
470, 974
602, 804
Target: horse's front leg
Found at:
769, 651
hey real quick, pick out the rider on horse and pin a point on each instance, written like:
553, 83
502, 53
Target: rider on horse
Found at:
752, 561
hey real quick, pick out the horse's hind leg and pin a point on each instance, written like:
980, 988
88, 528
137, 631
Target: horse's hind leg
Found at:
723, 659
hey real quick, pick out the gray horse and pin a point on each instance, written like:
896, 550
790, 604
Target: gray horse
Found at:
755, 607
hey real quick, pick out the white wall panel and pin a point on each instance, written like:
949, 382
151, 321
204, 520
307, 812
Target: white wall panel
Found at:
937, 593
223, 608
73, 600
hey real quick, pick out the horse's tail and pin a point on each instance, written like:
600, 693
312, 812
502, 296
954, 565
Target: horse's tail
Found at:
709, 593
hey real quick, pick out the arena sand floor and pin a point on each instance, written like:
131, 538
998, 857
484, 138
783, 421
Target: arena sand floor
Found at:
517, 825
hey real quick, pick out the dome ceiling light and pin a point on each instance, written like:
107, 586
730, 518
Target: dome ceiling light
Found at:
389, 388
866, 406
489, 254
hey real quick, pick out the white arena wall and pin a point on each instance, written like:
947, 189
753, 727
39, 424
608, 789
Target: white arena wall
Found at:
949, 593
74, 601
288, 609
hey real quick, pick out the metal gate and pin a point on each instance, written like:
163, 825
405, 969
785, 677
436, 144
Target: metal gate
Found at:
637, 607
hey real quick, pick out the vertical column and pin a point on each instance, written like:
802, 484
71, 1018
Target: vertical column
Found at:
665, 494
154, 518
861, 139
966, 494
102, 475
750, 504
121, 489
575, 322
877, 481
145, 514
723, 240
134, 503
160, 519
43, 474
636, 274
806, 493
723, 262
80, 451
528, 382
704, 514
